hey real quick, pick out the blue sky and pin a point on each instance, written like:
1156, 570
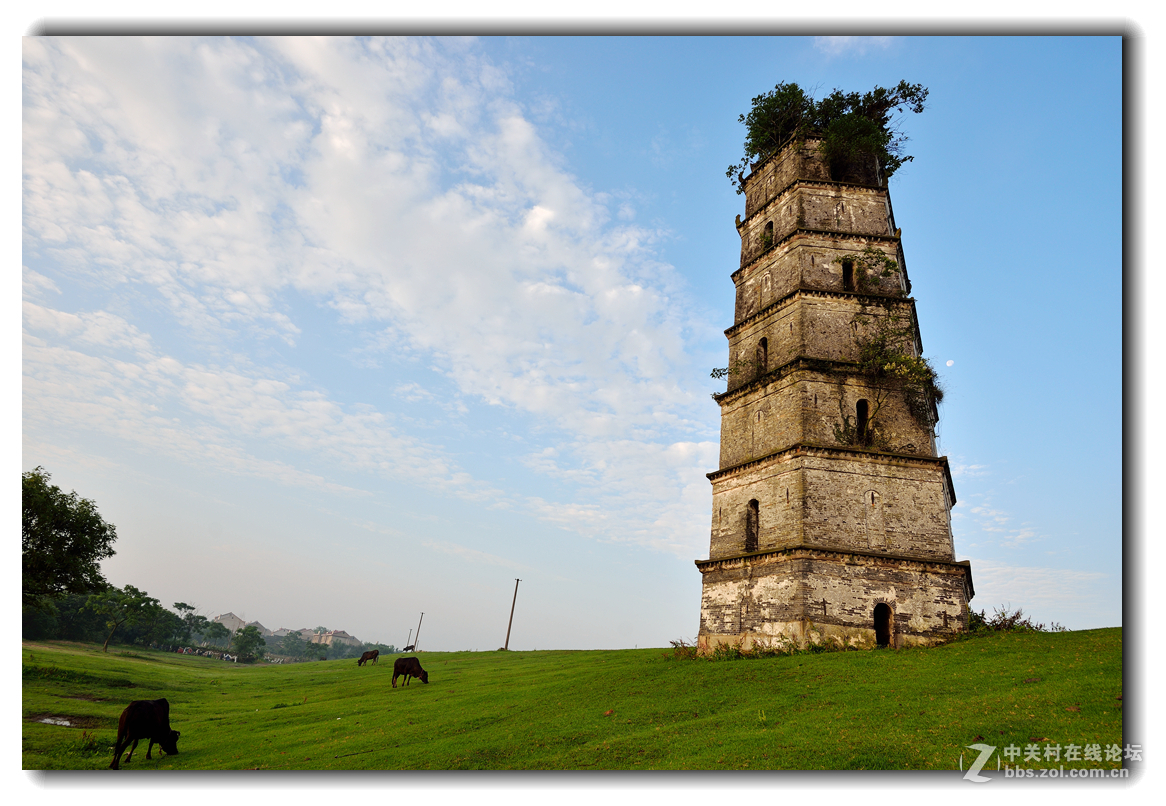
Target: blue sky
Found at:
340, 331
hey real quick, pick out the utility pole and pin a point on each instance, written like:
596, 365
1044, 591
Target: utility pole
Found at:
509, 623
410, 638
418, 639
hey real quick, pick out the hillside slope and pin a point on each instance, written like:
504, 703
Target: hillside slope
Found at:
619, 709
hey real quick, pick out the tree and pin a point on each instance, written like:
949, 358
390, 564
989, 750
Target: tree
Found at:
293, 645
216, 633
125, 606
192, 624
856, 130
338, 650
247, 643
155, 625
63, 538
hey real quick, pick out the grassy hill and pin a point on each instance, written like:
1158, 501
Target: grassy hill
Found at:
618, 709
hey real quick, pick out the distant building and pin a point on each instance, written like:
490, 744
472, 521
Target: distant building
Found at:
234, 624
334, 637
231, 622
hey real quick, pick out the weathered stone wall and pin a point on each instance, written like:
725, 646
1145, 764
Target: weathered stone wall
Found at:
820, 261
773, 177
835, 500
876, 506
825, 399
805, 406
777, 485
815, 206
810, 261
809, 323
796, 594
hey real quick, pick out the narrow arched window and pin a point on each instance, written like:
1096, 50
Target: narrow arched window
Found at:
767, 235
848, 275
762, 355
752, 518
861, 430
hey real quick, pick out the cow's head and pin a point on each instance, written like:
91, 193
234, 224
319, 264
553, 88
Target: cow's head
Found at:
424, 677
170, 743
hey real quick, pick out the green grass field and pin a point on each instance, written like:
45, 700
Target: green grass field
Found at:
619, 709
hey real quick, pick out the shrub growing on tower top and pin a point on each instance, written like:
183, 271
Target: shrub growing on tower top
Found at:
856, 130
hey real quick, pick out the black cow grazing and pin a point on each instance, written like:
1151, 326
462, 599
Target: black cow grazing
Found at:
409, 667
144, 719
409, 648
367, 656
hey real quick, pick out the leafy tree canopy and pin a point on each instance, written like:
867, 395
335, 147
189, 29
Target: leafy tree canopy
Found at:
192, 623
247, 643
63, 538
216, 633
294, 646
856, 129
124, 606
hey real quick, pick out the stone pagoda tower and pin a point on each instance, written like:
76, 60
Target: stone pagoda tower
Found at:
830, 508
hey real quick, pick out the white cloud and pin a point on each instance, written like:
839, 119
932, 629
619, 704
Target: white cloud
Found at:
394, 182
35, 285
961, 470
851, 45
219, 419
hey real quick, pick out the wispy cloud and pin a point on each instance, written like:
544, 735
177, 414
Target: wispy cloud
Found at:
960, 469
977, 512
1078, 597
221, 185
851, 45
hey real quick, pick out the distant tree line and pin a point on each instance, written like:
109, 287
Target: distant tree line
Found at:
65, 597
296, 648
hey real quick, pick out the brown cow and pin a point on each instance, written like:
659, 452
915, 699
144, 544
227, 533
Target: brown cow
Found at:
367, 656
409, 667
145, 719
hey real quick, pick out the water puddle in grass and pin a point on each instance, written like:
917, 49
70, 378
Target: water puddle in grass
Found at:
52, 720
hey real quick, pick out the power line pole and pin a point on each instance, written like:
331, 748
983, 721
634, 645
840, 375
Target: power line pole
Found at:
410, 638
509, 623
417, 640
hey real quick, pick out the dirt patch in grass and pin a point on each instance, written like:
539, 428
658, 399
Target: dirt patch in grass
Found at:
69, 720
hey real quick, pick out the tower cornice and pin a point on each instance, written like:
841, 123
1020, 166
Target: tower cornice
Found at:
830, 451
801, 363
821, 293
809, 552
